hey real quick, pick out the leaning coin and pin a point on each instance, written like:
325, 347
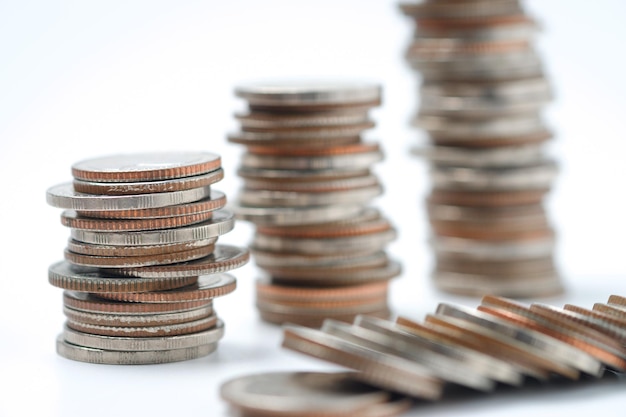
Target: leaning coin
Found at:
145, 166
88, 279
221, 222
115, 357
301, 394
64, 196
206, 287
206, 337
145, 187
379, 369
605, 323
222, 259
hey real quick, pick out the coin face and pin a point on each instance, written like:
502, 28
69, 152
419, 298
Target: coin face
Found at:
145, 166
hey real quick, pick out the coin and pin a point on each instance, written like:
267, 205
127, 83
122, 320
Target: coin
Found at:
116, 357
136, 320
287, 216
301, 394
72, 219
91, 303
145, 166
95, 249
64, 196
153, 343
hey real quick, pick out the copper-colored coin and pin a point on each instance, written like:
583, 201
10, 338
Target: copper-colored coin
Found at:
487, 198
312, 152
137, 320
71, 218
438, 49
270, 291
505, 269
88, 279
93, 304
539, 137
243, 138
342, 184
138, 261
491, 233
146, 187
147, 331
296, 131
223, 258
602, 322
93, 249
145, 166
617, 299
339, 117
611, 309
215, 202
474, 23
206, 287
559, 329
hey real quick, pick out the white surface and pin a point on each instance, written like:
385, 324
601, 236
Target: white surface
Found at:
83, 79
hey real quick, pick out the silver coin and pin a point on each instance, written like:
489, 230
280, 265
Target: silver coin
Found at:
300, 175
379, 369
524, 30
455, 62
145, 166
64, 196
312, 184
354, 161
268, 259
526, 214
445, 367
478, 362
460, 129
301, 393
146, 187
114, 357
224, 258
285, 216
222, 222
308, 92
485, 250
500, 92
268, 120
95, 280
368, 242
546, 347
303, 136
267, 198
504, 157
538, 176
499, 72
135, 250
136, 320
134, 344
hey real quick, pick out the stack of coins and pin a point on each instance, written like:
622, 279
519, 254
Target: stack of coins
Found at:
142, 265
502, 341
482, 92
308, 181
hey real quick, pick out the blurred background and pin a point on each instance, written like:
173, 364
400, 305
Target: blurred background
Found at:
80, 79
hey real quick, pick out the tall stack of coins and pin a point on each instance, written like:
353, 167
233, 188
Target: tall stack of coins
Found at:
308, 181
502, 341
482, 92
142, 265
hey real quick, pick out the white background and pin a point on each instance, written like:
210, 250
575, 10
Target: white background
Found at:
80, 79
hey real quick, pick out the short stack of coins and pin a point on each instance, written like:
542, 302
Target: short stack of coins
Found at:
142, 265
501, 342
307, 182
482, 92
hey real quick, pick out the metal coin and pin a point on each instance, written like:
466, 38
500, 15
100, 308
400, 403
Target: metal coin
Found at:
296, 215
137, 320
145, 166
115, 357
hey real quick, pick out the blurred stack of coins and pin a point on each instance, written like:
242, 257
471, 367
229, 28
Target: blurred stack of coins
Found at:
482, 92
502, 341
142, 265
307, 184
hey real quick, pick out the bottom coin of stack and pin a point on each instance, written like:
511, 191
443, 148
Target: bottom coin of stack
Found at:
143, 266
502, 341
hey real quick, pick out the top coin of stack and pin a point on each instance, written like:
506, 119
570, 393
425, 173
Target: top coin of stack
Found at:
307, 184
481, 97
142, 265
